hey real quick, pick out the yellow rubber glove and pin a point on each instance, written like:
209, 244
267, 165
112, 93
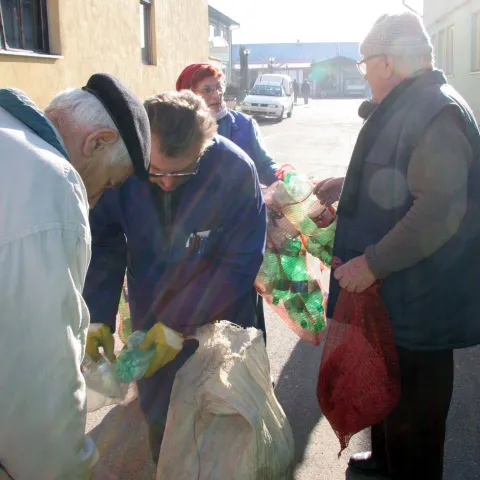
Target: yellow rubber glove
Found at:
167, 343
100, 335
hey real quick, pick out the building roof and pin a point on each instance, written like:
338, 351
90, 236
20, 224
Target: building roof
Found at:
214, 14
294, 53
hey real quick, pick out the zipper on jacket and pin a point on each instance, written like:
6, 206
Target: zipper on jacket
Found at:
168, 216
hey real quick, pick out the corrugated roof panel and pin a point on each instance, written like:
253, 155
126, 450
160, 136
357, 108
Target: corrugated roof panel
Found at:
298, 52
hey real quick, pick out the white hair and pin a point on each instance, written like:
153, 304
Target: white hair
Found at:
411, 64
85, 109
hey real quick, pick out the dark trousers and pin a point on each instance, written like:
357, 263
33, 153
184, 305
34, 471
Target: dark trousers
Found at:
411, 439
258, 305
305, 99
295, 97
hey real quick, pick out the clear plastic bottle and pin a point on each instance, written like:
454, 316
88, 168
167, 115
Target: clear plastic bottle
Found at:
103, 387
304, 209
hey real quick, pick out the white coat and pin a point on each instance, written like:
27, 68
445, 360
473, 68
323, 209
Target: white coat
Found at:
44, 256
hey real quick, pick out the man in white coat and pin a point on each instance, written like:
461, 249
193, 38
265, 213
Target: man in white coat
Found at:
53, 167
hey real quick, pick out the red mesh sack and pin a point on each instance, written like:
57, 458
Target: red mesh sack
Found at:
359, 380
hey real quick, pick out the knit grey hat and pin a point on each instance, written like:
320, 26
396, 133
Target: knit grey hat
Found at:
401, 34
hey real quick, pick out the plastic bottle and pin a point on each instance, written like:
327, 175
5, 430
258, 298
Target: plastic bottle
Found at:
132, 363
305, 211
320, 244
102, 385
314, 306
295, 307
269, 273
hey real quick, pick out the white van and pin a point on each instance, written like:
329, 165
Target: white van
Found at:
268, 99
284, 80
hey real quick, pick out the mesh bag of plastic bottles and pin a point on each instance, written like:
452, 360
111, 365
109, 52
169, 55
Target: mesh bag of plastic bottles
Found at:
300, 234
359, 379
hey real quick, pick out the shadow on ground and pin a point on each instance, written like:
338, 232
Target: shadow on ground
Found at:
462, 446
122, 441
296, 392
125, 454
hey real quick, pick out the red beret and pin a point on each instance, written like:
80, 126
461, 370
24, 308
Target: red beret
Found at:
195, 73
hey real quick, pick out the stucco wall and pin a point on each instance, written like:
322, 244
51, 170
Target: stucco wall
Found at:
99, 36
459, 15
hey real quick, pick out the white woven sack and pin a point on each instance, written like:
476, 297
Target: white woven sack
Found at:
224, 420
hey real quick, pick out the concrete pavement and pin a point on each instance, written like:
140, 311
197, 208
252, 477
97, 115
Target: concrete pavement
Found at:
318, 140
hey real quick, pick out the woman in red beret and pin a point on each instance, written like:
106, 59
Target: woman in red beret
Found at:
209, 82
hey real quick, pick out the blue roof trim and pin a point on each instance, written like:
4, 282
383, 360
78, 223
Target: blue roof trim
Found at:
298, 52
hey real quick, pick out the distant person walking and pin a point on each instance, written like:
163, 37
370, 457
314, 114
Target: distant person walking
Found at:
296, 90
306, 89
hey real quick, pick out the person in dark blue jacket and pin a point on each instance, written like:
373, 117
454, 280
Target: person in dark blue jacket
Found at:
192, 241
208, 82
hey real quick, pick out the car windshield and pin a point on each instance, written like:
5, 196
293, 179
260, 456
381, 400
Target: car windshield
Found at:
267, 91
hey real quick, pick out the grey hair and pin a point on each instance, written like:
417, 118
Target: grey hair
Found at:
85, 109
408, 65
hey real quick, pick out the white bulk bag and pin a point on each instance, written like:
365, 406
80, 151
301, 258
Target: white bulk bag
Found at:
224, 421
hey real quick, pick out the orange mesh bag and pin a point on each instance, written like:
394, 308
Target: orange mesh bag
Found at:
300, 233
359, 379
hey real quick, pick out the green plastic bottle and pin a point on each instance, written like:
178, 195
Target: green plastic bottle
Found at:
314, 307
269, 272
295, 307
291, 247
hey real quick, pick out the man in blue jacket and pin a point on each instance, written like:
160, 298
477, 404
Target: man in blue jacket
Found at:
191, 239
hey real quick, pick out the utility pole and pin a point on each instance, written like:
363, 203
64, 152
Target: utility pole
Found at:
244, 73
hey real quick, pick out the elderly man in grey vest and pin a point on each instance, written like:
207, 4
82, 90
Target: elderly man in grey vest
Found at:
409, 216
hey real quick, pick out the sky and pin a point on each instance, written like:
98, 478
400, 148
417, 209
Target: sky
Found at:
275, 21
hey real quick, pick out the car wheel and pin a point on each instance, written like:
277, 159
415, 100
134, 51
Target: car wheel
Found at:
280, 118
290, 113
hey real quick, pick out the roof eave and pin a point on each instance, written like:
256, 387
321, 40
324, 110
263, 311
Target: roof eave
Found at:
215, 14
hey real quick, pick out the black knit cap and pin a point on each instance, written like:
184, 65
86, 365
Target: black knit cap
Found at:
129, 116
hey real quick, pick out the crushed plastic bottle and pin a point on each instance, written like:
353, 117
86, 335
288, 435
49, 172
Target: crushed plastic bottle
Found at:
132, 363
103, 387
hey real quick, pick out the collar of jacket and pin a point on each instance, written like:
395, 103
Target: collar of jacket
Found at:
17, 104
232, 120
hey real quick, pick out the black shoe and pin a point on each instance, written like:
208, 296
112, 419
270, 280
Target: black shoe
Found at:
366, 464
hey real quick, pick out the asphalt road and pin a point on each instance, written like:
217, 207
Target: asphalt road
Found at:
317, 140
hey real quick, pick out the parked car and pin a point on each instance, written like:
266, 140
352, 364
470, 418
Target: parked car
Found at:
356, 87
268, 99
285, 81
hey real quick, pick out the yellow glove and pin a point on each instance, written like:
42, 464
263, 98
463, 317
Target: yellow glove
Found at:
100, 335
167, 343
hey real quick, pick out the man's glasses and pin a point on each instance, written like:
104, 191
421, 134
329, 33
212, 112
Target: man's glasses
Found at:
210, 89
185, 174
362, 64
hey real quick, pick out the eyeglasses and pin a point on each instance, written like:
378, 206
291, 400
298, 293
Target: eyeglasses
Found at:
209, 89
362, 64
185, 174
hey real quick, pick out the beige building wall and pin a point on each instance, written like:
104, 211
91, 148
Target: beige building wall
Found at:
91, 36
441, 14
